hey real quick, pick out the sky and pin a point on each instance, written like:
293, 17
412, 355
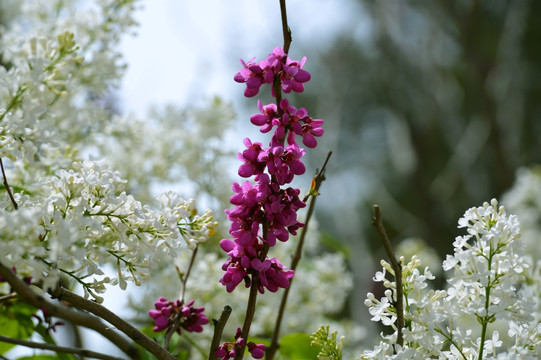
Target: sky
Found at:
186, 51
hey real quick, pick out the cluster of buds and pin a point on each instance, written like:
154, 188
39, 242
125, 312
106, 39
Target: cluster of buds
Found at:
191, 318
228, 350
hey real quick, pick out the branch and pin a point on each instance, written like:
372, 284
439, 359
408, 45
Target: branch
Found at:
316, 183
252, 297
397, 268
285, 28
6, 185
218, 330
56, 348
30, 297
133, 333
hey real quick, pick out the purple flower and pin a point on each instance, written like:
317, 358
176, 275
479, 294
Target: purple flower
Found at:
250, 158
191, 318
252, 75
293, 76
257, 350
290, 72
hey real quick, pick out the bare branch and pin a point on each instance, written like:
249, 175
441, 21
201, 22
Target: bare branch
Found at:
218, 330
56, 348
76, 317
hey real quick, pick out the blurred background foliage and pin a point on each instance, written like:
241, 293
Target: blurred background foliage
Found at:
430, 108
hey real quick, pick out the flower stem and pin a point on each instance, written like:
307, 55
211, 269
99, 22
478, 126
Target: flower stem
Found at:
485, 319
250, 307
397, 268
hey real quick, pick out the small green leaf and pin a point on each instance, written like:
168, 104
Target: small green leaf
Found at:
297, 347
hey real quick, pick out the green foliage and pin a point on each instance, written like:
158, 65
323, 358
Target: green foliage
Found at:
15, 322
40, 357
297, 347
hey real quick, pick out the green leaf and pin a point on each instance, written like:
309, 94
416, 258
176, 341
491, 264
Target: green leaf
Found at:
297, 347
39, 357
16, 322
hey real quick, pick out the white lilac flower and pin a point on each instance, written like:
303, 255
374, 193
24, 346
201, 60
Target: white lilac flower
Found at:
487, 287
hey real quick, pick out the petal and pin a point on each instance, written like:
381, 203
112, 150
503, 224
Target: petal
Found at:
309, 140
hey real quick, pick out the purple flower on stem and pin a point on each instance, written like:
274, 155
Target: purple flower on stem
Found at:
252, 165
191, 318
228, 350
293, 76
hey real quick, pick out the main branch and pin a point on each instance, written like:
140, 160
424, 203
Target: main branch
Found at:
76, 317
101, 311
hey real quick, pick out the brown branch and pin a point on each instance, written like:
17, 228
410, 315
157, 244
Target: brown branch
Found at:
56, 348
76, 317
218, 330
6, 185
397, 268
102, 312
317, 180
285, 28
252, 297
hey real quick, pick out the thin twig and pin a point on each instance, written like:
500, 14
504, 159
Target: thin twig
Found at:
57, 348
6, 185
397, 268
76, 317
177, 321
102, 312
317, 180
218, 330
185, 277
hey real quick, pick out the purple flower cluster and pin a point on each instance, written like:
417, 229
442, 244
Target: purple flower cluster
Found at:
191, 318
265, 210
228, 350
277, 64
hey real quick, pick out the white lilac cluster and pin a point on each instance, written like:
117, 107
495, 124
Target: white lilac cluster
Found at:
58, 61
74, 217
488, 310
84, 220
